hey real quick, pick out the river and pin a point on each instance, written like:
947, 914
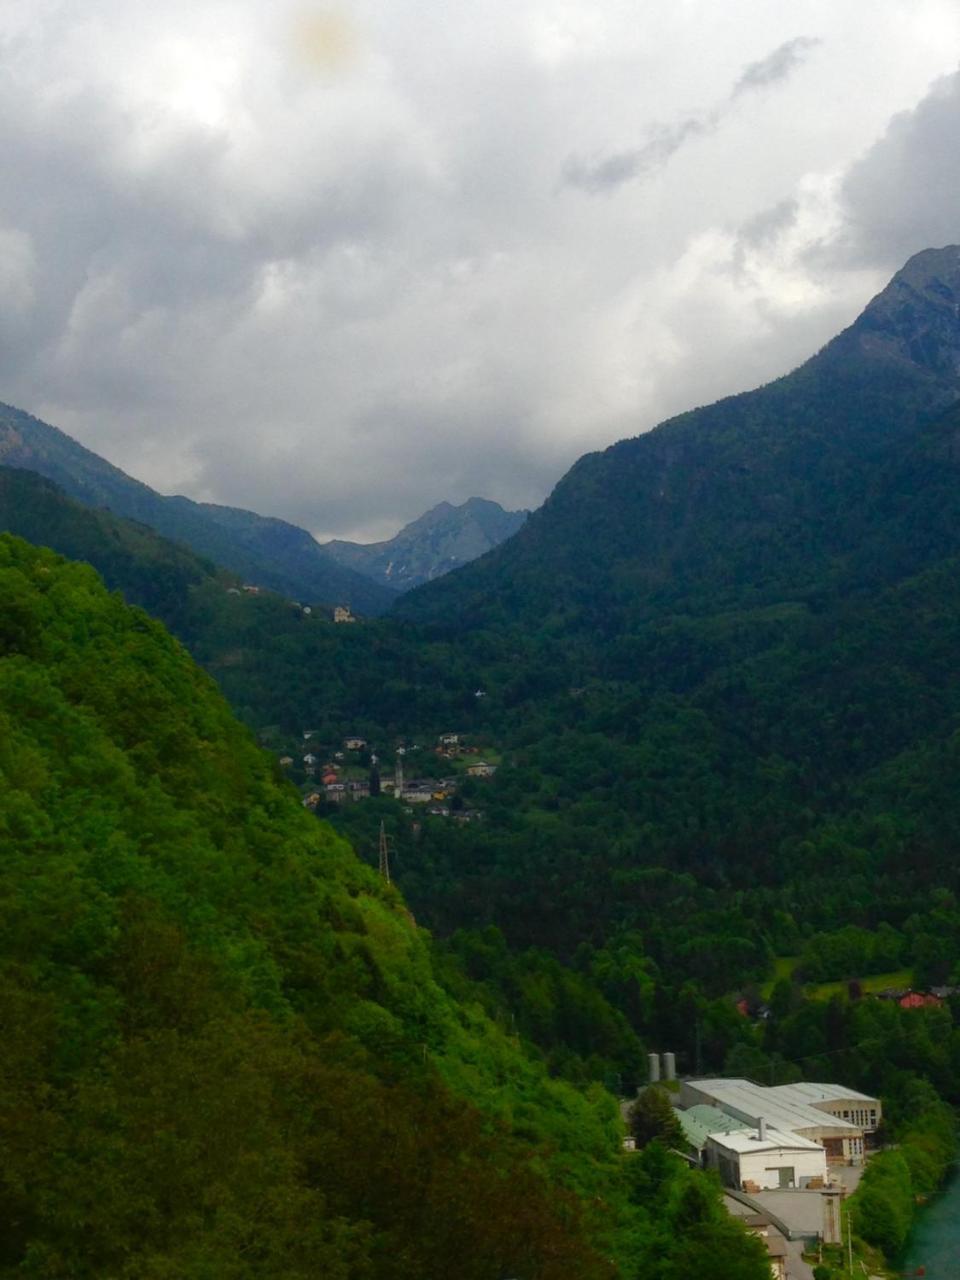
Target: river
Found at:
935, 1240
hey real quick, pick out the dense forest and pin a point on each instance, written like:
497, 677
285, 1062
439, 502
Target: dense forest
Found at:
228, 1048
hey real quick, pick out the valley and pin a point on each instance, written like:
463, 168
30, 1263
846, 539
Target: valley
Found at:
682, 746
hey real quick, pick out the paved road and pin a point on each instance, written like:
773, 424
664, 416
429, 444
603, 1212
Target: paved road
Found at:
848, 1174
797, 1269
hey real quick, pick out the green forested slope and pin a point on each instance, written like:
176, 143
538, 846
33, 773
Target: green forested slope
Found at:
266, 551
748, 501
225, 1052
700, 771
163, 577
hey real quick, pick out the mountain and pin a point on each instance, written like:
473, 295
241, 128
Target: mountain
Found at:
227, 1047
750, 500
719, 679
444, 538
719, 668
163, 577
265, 551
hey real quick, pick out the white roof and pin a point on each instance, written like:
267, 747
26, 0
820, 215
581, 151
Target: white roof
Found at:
745, 1141
807, 1091
752, 1101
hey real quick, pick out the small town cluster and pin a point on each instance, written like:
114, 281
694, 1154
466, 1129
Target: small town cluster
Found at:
786, 1154
353, 772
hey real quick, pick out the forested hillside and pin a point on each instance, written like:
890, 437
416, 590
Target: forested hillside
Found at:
728, 722
763, 497
702, 770
226, 1050
266, 551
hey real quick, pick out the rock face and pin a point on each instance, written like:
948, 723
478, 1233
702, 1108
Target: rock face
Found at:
442, 539
267, 552
916, 319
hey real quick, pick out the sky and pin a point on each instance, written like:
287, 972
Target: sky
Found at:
338, 263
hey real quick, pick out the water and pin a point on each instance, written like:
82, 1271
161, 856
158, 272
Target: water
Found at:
935, 1241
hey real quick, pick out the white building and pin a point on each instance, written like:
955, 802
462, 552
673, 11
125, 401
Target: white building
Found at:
765, 1159
836, 1100
841, 1140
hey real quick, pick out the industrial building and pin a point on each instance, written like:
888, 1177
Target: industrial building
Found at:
845, 1104
699, 1122
765, 1159
788, 1113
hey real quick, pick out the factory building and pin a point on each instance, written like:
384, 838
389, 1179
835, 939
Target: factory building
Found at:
841, 1140
764, 1159
845, 1104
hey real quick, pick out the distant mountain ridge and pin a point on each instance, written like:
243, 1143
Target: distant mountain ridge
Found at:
749, 500
265, 551
443, 538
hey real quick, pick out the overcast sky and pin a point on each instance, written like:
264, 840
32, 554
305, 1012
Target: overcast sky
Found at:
338, 263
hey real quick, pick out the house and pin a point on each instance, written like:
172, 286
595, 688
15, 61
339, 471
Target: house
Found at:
354, 743
233, 591
418, 793
341, 613
772, 1241
286, 762
449, 740
312, 800
467, 815
329, 778
251, 591
481, 769
310, 759
909, 998
919, 1000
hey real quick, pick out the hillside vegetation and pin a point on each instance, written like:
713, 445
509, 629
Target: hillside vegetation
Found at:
719, 668
265, 551
226, 1051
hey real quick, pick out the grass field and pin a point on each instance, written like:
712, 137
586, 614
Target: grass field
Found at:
784, 966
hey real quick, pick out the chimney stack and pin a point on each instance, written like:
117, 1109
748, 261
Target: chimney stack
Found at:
653, 1060
669, 1066
762, 1129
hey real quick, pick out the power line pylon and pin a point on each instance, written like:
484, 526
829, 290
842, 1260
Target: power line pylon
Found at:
384, 853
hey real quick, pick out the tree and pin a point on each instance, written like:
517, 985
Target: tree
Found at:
652, 1116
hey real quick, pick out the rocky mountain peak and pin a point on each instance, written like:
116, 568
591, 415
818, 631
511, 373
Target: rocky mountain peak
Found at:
917, 316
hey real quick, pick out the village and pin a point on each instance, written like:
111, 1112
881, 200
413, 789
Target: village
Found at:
425, 776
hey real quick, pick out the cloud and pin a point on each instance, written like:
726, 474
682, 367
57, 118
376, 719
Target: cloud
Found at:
606, 173
323, 271
776, 66
612, 171
904, 194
